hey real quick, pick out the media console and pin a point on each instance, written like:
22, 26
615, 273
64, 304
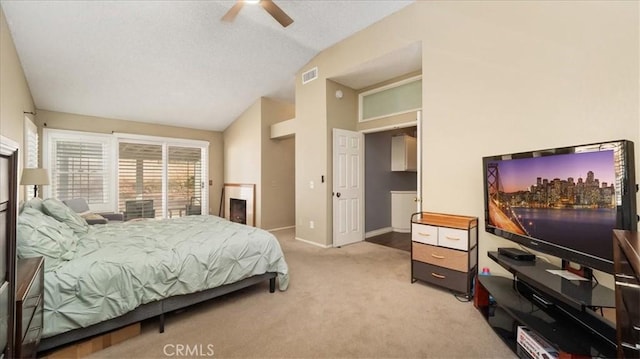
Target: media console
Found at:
562, 311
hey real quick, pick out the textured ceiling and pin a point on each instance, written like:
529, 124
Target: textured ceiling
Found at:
174, 62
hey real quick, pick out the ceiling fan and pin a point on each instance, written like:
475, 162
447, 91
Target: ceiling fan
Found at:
273, 9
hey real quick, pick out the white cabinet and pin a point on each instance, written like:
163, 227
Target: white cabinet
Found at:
404, 153
403, 205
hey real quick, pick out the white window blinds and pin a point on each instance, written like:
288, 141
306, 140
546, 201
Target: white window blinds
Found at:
80, 167
30, 150
184, 173
140, 173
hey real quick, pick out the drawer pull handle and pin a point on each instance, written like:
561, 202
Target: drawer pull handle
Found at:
630, 285
437, 256
438, 275
635, 327
452, 238
424, 234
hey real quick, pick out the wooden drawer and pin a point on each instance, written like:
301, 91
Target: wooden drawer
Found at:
424, 233
29, 305
443, 257
444, 277
32, 337
453, 238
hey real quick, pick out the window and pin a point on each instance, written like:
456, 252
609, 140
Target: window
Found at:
30, 151
140, 167
141, 176
167, 174
80, 166
184, 174
393, 99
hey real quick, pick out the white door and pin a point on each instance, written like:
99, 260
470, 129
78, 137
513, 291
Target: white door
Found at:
348, 187
419, 162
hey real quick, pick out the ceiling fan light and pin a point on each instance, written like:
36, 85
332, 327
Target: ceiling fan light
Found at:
251, 1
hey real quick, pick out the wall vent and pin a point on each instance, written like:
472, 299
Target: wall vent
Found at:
310, 75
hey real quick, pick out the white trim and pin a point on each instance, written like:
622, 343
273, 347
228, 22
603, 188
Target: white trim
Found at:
204, 187
392, 114
313, 243
156, 139
380, 89
389, 127
377, 232
7, 146
280, 228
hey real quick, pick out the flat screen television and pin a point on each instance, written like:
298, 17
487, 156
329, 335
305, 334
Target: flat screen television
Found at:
563, 201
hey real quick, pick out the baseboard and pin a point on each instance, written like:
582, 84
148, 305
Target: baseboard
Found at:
280, 228
313, 243
377, 232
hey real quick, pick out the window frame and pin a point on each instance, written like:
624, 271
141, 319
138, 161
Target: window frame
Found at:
30, 153
390, 86
167, 142
51, 136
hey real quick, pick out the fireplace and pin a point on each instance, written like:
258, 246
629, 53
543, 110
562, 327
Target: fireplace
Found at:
239, 203
238, 210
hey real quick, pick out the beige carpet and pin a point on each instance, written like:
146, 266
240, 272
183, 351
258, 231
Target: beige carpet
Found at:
355, 301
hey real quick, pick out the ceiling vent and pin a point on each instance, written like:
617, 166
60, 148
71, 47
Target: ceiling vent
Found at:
310, 75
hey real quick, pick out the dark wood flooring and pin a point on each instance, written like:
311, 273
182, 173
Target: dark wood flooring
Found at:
396, 240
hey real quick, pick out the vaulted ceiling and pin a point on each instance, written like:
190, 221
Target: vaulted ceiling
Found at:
174, 62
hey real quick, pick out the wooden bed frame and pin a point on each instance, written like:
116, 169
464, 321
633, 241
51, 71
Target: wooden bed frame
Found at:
153, 309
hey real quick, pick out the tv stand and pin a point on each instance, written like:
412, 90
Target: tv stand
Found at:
559, 310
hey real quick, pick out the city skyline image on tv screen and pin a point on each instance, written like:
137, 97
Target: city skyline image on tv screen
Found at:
568, 199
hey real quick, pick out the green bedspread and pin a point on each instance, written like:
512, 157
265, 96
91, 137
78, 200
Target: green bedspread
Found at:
118, 266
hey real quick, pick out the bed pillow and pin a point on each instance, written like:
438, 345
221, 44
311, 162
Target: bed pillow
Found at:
64, 214
41, 235
94, 218
35, 203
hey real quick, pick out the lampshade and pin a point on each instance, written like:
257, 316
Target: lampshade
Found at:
34, 176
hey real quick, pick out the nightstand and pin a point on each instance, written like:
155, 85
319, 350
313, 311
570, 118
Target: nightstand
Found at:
29, 304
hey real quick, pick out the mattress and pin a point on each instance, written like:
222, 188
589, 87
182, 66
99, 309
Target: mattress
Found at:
119, 266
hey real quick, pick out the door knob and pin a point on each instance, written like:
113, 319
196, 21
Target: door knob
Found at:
338, 194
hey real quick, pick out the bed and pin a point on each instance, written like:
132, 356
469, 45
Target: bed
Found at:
102, 277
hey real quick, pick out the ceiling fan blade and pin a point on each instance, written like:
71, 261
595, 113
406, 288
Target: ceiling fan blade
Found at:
276, 12
233, 12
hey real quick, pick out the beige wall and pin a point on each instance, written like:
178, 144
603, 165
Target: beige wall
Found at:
242, 152
250, 156
278, 168
66, 121
15, 96
498, 77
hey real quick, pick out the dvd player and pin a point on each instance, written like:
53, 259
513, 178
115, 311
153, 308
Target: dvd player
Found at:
517, 254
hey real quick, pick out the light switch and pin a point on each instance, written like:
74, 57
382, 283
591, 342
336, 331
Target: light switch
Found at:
311, 184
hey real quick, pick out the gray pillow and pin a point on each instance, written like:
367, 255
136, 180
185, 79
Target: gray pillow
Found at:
64, 214
41, 235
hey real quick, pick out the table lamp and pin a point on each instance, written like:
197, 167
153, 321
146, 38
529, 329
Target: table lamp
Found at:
35, 177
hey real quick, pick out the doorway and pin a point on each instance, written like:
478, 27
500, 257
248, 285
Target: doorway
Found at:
390, 195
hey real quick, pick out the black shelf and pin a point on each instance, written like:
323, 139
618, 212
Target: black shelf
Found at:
577, 294
515, 305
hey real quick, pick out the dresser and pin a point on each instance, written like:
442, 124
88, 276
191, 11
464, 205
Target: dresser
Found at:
8, 220
444, 250
626, 259
29, 306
